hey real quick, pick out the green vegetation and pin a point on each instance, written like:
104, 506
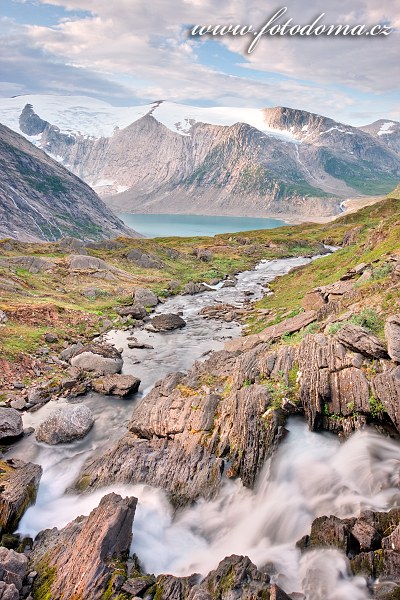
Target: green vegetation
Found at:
377, 409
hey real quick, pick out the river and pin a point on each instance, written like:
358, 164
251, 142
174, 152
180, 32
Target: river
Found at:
311, 474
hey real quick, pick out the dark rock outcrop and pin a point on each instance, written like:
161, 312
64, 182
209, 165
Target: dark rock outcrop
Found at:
87, 557
167, 322
19, 482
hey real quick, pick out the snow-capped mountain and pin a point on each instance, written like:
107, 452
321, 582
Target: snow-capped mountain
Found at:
388, 132
166, 157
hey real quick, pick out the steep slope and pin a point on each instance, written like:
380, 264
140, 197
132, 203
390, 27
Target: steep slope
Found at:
168, 157
41, 200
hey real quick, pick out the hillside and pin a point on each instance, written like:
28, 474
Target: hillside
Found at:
173, 158
41, 200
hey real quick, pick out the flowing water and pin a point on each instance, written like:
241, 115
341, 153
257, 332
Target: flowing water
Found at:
310, 475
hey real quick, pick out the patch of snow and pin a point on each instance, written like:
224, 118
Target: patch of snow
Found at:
386, 128
336, 128
304, 128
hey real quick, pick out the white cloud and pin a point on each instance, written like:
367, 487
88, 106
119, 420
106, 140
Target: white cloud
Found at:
142, 50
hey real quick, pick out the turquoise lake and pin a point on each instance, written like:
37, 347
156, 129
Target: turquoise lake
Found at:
194, 225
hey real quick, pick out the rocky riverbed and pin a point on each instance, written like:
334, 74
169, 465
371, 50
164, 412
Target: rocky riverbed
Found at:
231, 480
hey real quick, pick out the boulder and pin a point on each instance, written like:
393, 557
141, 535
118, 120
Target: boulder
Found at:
204, 254
19, 482
236, 578
39, 395
3, 317
136, 311
101, 358
116, 385
145, 297
87, 558
392, 334
360, 340
386, 387
10, 423
81, 262
144, 260
192, 288
167, 322
51, 338
70, 351
13, 567
65, 425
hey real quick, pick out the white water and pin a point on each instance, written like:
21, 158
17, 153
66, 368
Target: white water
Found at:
311, 475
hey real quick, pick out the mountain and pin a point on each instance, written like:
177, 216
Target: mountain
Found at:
42, 200
387, 132
166, 157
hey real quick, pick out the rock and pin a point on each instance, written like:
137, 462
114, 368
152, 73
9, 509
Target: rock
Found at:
204, 254
174, 285
360, 340
104, 359
116, 385
92, 293
87, 557
229, 283
167, 322
386, 387
138, 585
39, 395
19, 482
136, 311
351, 236
273, 332
33, 264
8, 591
13, 567
10, 423
18, 404
71, 244
313, 300
80, 262
134, 343
191, 288
392, 334
182, 434
3, 317
145, 297
236, 578
144, 260
65, 425
71, 350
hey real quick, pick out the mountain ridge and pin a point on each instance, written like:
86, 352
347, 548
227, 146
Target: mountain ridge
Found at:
273, 161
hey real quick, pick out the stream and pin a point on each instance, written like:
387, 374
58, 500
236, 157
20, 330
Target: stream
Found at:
311, 474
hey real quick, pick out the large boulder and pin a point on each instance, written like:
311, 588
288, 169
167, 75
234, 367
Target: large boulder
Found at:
136, 311
19, 482
87, 558
116, 385
10, 423
192, 288
167, 322
102, 358
65, 425
33, 264
392, 333
145, 297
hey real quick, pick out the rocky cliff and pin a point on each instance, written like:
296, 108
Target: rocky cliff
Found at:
41, 200
171, 158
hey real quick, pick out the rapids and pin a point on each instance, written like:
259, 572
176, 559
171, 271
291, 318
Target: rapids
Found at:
311, 474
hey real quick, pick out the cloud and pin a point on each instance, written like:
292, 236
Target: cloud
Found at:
141, 50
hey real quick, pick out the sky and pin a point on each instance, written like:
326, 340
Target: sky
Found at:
130, 52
